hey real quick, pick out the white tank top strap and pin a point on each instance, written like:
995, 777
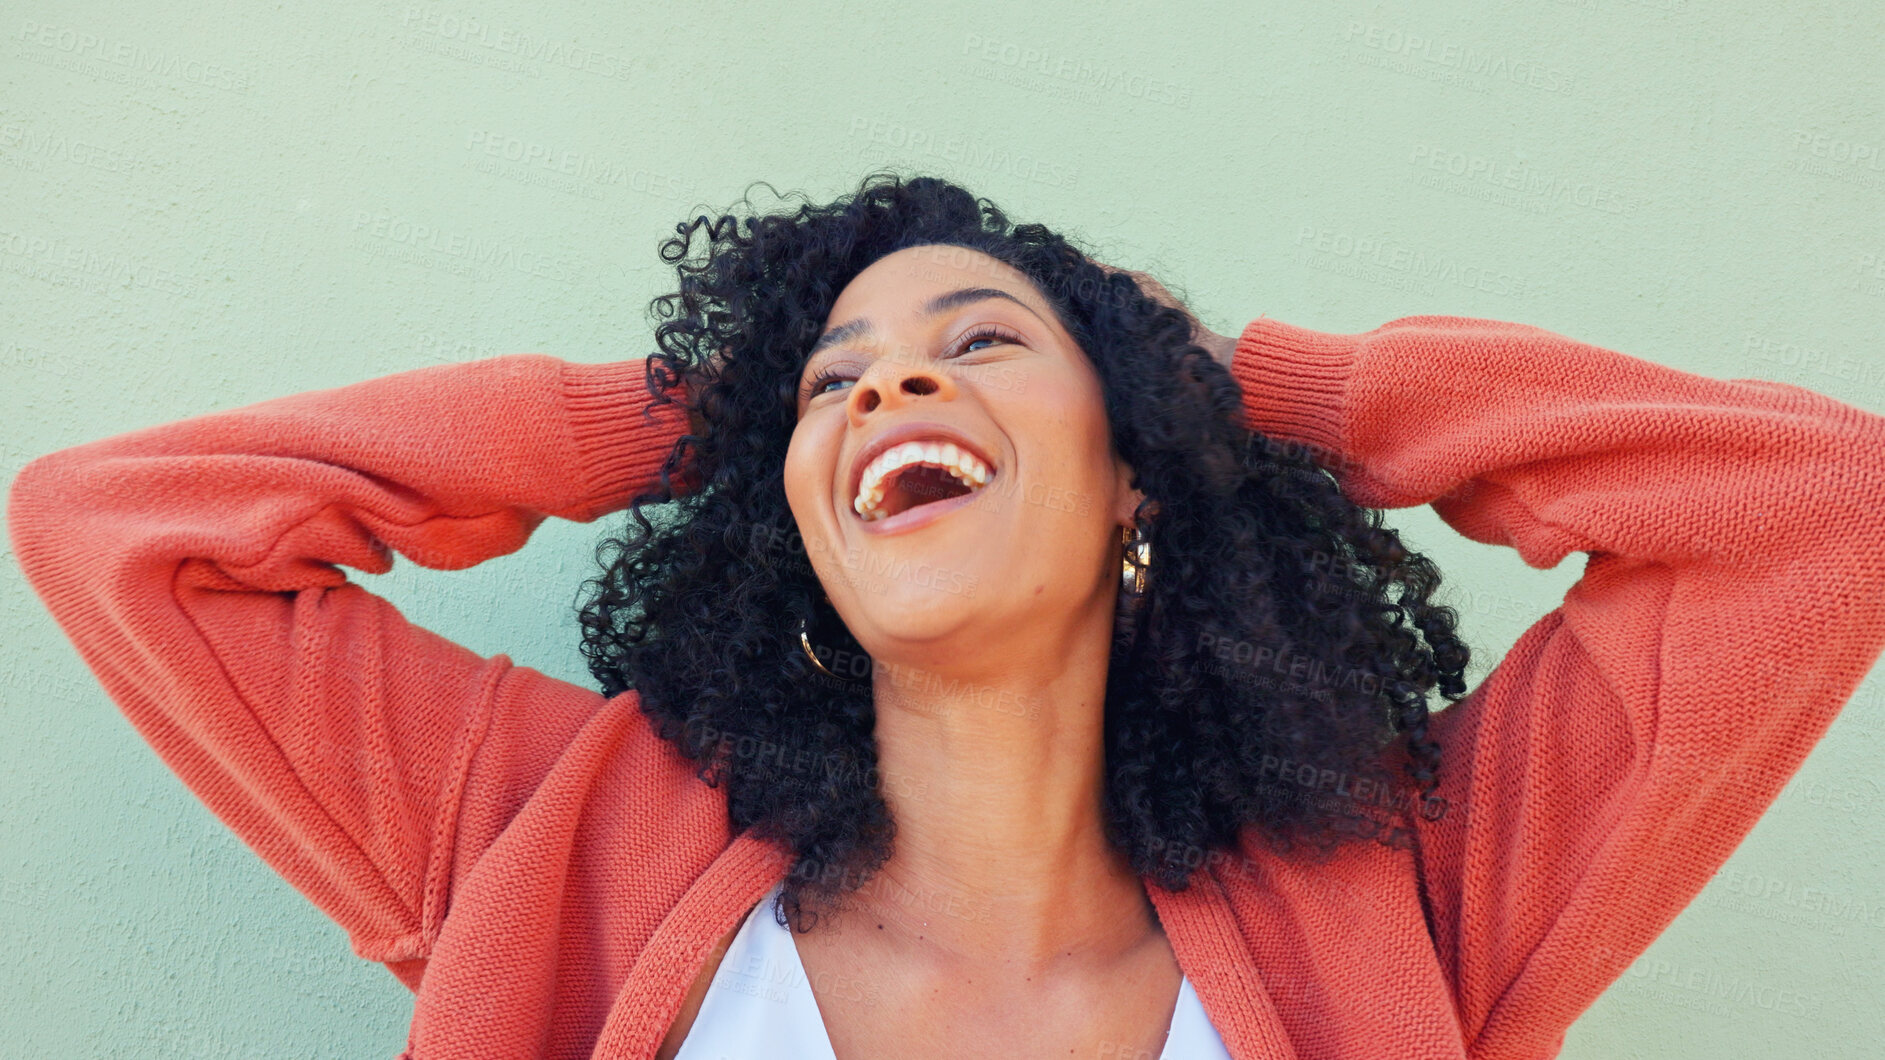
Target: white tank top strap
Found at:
759, 1005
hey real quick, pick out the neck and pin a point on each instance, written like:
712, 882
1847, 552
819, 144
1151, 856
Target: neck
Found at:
996, 779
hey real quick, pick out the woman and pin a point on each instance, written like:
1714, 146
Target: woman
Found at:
1108, 722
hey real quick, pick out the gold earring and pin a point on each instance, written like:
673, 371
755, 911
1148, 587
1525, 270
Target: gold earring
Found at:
805, 642
1135, 561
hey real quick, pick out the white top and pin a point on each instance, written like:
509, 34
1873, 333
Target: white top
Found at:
759, 1006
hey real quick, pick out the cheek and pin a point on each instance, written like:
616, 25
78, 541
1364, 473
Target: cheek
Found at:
807, 473
1064, 431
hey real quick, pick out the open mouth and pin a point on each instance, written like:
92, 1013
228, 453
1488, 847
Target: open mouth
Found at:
917, 473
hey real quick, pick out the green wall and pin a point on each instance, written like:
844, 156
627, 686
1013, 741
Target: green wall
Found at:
207, 205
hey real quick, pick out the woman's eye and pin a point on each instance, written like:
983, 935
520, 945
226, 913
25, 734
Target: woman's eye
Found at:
821, 385
993, 335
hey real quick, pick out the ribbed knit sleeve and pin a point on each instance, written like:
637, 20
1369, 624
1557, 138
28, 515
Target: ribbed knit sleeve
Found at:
1732, 599
196, 568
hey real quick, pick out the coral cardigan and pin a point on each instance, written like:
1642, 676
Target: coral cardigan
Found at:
548, 876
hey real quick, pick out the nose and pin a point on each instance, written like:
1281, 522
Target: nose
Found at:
890, 384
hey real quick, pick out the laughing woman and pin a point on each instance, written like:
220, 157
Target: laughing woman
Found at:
1012, 667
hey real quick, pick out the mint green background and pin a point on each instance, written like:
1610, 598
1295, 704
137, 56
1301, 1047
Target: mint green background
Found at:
188, 222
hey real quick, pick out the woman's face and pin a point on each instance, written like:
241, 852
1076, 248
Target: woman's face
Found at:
942, 345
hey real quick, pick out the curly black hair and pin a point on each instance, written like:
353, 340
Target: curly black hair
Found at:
1269, 678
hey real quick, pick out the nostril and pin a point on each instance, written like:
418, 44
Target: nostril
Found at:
918, 384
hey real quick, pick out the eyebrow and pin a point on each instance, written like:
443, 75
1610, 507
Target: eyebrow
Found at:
942, 303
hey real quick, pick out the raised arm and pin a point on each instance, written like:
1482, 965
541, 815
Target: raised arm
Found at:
195, 567
1733, 599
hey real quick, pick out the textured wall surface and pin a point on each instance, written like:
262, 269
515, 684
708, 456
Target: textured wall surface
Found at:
207, 205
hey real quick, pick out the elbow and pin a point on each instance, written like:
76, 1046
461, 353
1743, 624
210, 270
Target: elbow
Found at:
31, 498
43, 507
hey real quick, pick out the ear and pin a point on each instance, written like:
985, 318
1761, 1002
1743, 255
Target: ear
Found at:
1127, 498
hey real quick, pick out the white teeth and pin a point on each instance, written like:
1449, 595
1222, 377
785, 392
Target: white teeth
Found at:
966, 467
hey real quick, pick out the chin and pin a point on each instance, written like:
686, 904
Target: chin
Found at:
907, 610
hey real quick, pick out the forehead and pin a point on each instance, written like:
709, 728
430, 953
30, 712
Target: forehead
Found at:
926, 269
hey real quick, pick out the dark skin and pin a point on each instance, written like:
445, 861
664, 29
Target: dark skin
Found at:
1003, 924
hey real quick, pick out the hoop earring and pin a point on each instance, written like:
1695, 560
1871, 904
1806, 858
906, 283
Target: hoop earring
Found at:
805, 642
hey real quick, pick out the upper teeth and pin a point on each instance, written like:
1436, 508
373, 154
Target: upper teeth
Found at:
870, 488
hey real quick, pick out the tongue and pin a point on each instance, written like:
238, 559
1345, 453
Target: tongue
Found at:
919, 485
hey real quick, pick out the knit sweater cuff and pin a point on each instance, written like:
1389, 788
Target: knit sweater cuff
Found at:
621, 439
1295, 381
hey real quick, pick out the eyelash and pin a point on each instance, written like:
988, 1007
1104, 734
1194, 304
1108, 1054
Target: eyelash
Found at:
981, 331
